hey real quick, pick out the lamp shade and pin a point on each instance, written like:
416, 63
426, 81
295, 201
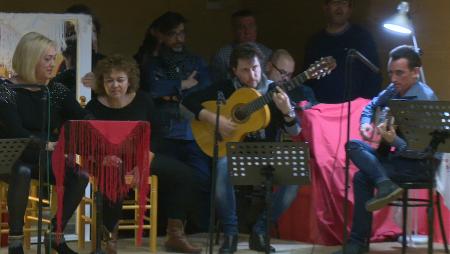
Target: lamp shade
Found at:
400, 22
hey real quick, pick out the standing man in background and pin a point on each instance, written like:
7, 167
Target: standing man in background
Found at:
169, 76
245, 30
335, 40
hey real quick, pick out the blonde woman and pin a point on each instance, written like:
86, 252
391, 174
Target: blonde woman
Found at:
21, 116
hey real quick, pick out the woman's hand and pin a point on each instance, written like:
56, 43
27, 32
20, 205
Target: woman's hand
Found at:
132, 178
112, 161
88, 80
51, 146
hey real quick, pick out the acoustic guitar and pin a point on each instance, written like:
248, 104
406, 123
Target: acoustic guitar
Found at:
249, 110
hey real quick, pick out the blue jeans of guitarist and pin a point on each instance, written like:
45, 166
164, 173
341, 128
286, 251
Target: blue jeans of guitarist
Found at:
372, 170
226, 202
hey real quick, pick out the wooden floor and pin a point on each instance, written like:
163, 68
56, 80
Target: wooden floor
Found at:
126, 246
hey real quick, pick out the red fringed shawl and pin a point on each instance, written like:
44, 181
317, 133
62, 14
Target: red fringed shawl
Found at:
96, 142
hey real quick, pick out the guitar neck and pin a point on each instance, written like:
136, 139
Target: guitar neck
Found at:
260, 102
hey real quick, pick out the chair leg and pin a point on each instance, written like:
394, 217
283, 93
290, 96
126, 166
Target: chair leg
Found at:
441, 222
153, 213
430, 213
405, 220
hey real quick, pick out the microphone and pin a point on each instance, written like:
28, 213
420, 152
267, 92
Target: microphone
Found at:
221, 98
355, 53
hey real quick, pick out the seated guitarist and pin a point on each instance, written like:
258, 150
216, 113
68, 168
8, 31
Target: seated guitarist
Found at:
378, 171
246, 62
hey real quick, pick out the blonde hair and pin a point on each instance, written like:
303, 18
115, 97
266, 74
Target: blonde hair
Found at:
28, 53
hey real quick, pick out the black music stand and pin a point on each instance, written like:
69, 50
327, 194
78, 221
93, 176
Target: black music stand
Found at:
11, 150
424, 124
268, 163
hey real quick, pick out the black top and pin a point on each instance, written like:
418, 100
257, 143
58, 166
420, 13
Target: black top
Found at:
271, 133
141, 108
331, 89
22, 113
21, 110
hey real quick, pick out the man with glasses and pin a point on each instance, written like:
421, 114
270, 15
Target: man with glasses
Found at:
338, 36
170, 76
246, 66
245, 30
279, 68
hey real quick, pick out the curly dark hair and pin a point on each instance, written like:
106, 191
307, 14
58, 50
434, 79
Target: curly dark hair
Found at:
117, 63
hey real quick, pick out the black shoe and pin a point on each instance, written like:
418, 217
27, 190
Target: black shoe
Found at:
56, 242
229, 245
388, 191
352, 248
258, 242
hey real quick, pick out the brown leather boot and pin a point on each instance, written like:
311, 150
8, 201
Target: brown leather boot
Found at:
109, 242
176, 239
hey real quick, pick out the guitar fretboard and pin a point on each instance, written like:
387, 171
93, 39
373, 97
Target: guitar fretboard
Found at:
260, 102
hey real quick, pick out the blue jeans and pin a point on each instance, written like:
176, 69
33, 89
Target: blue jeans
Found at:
226, 202
372, 170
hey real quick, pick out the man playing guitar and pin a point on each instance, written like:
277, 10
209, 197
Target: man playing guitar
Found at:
256, 110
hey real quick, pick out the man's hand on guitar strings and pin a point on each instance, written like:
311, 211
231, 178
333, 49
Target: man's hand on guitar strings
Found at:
366, 131
282, 101
387, 134
226, 127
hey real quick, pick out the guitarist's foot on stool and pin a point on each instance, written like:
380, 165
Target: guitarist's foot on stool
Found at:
387, 191
229, 245
257, 242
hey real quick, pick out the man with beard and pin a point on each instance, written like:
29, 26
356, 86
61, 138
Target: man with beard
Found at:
335, 40
169, 76
245, 62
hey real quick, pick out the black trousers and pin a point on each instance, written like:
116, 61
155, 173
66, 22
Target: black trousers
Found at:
175, 183
19, 187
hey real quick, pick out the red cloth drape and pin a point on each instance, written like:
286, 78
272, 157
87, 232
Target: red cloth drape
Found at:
128, 142
320, 205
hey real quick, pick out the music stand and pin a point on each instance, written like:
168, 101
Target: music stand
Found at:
268, 163
11, 151
424, 124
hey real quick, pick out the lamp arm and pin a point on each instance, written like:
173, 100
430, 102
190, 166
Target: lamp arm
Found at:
419, 51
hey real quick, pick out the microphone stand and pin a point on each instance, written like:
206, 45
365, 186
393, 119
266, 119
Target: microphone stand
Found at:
43, 153
220, 101
348, 92
351, 55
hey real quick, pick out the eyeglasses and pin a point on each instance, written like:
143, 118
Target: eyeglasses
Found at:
284, 74
173, 34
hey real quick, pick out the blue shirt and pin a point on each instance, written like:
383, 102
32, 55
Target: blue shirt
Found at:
157, 82
418, 91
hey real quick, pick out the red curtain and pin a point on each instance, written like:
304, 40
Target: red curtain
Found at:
320, 205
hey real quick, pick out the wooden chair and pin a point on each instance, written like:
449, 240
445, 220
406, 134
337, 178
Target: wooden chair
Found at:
150, 222
31, 213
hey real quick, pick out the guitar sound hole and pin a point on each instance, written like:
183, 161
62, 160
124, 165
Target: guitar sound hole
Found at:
240, 115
